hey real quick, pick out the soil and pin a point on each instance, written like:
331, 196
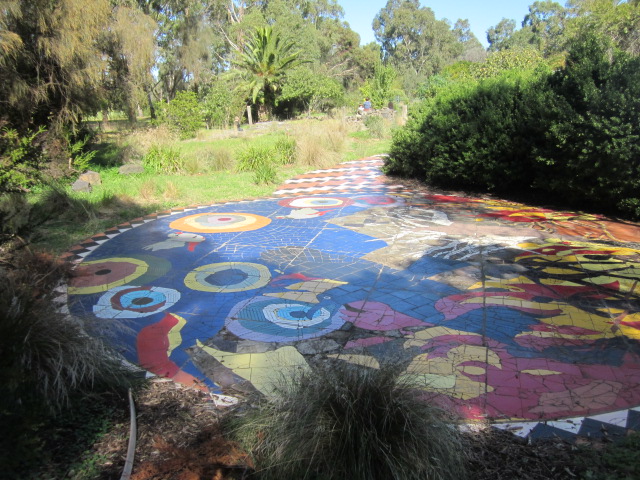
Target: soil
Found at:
180, 438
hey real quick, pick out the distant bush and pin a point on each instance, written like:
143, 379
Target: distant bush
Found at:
343, 421
183, 114
375, 125
573, 134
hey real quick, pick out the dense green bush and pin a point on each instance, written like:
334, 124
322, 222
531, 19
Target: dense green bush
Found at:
21, 159
573, 134
475, 135
592, 153
183, 114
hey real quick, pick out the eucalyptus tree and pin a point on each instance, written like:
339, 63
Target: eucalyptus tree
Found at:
615, 19
413, 40
547, 20
264, 62
504, 36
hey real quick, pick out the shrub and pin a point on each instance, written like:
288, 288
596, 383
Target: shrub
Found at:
476, 135
593, 148
572, 135
341, 421
21, 159
46, 356
183, 114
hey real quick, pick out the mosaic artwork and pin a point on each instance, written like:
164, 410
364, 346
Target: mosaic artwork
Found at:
499, 310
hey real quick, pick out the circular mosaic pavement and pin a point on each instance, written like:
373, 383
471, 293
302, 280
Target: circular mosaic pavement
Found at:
504, 311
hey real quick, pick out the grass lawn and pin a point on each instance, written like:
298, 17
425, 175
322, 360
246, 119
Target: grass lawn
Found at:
207, 175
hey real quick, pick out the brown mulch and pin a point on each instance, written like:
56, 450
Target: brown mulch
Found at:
179, 438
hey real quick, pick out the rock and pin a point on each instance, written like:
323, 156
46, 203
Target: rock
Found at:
130, 168
81, 186
320, 345
92, 178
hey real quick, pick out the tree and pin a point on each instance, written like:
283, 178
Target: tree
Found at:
615, 19
51, 68
473, 50
264, 61
130, 44
310, 90
380, 89
504, 36
413, 40
547, 21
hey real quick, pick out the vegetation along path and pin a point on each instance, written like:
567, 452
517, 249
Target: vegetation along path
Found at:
524, 316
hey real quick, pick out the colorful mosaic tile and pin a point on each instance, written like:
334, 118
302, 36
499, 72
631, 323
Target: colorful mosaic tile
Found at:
526, 317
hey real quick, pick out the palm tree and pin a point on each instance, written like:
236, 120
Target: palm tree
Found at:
265, 59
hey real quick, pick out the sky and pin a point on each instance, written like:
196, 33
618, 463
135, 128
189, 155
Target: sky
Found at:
482, 14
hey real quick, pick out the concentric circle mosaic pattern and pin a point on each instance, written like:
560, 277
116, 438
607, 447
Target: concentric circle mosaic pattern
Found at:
524, 316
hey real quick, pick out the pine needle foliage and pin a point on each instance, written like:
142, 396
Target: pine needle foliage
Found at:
341, 421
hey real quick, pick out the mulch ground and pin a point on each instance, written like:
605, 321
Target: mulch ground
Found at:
180, 438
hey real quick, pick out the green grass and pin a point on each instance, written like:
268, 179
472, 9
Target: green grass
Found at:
204, 172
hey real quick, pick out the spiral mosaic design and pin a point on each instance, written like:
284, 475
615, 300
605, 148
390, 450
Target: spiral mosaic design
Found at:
102, 275
220, 222
135, 302
272, 320
228, 277
316, 202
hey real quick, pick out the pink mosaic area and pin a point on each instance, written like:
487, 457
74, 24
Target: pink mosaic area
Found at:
499, 310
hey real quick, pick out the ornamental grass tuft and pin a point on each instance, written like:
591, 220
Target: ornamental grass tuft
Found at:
340, 421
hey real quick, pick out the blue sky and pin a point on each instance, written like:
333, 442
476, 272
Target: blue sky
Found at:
481, 14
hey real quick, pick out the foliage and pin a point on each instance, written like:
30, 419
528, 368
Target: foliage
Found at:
265, 60
21, 159
183, 114
51, 67
593, 147
474, 135
46, 356
285, 150
375, 125
305, 89
163, 159
260, 161
220, 105
380, 89
413, 40
504, 36
342, 421
572, 134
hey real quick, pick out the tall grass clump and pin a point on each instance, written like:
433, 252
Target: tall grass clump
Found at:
260, 161
46, 356
319, 144
340, 421
47, 360
164, 160
285, 150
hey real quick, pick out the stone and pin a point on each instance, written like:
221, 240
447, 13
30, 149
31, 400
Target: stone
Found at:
81, 186
130, 168
91, 177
